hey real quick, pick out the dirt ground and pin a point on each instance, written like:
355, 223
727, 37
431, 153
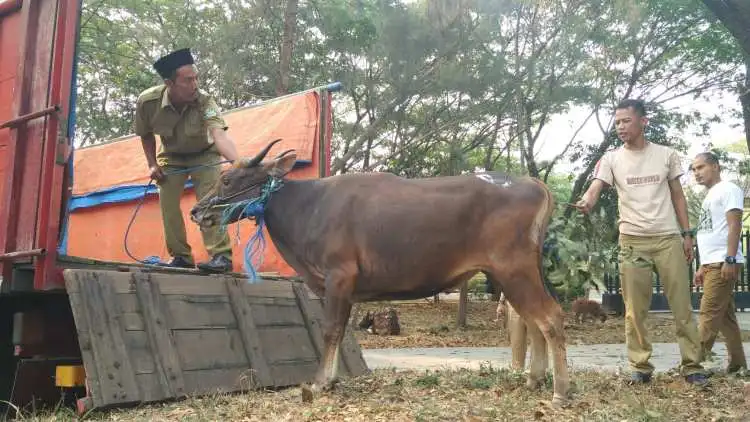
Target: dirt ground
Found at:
427, 324
487, 394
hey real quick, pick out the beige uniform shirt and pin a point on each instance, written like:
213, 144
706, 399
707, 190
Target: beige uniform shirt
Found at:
641, 179
182, 132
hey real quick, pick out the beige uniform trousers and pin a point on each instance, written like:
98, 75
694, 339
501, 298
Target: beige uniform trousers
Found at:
639, 257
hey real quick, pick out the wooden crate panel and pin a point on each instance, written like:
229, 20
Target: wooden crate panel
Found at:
149, 336
288, 343
274, 315
193, 312
209, 349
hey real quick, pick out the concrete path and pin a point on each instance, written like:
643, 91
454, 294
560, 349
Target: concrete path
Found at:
609, 357
612, 357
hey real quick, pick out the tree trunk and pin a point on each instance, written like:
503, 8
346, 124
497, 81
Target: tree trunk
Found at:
745, 100
734, 15
287, 45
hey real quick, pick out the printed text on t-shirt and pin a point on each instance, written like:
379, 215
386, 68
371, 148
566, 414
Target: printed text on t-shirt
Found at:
643, 180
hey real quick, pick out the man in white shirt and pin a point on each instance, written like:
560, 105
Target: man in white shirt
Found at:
653, 215
718, 232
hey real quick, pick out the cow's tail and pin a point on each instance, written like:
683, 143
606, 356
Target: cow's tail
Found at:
539, 229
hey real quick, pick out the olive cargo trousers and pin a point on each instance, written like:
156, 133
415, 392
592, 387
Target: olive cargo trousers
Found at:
717, 315
639, 256
171, 188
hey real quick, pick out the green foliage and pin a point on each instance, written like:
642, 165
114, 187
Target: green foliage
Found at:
583, 250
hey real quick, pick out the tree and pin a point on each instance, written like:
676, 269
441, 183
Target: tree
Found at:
287, 45
734, 15
649, 60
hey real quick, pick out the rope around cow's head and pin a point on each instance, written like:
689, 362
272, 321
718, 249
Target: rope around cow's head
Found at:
251, 208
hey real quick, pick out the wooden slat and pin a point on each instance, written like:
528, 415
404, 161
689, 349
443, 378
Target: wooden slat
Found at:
194, 283
84, 340
249, 332
314, 332
351, 354
115, 372
163, 348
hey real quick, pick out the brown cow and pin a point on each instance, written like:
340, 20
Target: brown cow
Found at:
374, 237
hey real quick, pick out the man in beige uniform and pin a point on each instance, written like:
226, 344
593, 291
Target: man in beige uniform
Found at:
653, 215
193, 139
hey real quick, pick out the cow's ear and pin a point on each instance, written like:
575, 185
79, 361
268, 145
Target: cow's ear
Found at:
283, 165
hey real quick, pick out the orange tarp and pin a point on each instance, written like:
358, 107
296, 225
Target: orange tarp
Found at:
97, 230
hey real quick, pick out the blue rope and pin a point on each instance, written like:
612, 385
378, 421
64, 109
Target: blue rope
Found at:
254, 207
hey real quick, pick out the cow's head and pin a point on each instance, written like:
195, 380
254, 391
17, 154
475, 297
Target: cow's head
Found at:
243, 181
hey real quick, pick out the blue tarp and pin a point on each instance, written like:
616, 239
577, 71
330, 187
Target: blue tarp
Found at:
127, 193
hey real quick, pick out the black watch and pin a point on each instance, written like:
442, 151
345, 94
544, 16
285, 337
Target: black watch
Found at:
687, 232
730, 260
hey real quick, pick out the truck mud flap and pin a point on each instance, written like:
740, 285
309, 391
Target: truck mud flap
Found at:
147, 336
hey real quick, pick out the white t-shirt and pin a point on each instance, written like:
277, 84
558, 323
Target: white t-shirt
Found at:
713, 230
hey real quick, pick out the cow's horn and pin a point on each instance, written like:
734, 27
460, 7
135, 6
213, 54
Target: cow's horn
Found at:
283, 154
262, 154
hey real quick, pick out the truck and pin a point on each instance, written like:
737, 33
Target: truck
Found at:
97, 332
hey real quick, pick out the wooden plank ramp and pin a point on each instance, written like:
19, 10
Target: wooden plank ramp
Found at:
149, 336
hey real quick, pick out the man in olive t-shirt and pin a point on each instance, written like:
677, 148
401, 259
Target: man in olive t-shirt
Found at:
653, 216
193, 139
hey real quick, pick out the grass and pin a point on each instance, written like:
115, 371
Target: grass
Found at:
486, 393
456, 395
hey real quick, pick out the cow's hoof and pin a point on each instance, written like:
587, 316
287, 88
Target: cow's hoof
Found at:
319, 387
307, 394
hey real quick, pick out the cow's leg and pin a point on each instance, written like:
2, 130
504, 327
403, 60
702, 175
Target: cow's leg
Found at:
337, 309
525, 292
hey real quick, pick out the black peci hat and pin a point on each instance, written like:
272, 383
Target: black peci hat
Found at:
166, 65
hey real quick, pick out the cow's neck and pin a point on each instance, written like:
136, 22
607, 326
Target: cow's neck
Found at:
287, 209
